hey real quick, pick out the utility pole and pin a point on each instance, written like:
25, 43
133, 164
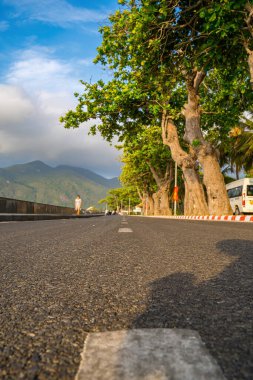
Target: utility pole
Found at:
175, 202
129, 206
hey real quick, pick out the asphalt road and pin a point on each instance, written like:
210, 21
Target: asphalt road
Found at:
62, 279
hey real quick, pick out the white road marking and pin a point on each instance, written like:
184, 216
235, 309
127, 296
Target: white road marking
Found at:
10, 221
149, 354
125, 230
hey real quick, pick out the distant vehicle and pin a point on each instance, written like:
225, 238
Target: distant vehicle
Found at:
137, 210
240, 194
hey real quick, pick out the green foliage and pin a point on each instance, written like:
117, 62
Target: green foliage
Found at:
236, 148
117, 199
136, 173
152, 48
196, 143
224, 97
146, 150
242, 148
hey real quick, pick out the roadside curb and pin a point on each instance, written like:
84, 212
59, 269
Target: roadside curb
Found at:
34, 217
212, 218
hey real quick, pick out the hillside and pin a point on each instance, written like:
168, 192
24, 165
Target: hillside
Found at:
38, 182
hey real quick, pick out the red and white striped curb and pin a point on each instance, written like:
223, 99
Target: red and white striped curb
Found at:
223, 218
215, 218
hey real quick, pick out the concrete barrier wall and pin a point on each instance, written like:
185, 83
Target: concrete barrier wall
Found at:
16, 206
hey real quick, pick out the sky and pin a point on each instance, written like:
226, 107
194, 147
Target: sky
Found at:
46, 48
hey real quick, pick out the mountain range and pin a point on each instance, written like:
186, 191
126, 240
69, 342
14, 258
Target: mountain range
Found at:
37, 182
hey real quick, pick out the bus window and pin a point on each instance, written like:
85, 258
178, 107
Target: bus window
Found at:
230, 193
235, 192
238, 191
250, 190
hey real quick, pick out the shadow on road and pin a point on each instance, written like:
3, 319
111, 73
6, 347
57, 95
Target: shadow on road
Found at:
220, 309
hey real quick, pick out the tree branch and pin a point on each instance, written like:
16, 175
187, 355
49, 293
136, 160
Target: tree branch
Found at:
155, 174
200, 76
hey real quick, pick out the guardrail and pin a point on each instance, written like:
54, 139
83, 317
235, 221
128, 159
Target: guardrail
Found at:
17, 206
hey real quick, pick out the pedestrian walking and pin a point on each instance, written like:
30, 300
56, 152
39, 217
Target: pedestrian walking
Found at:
78, 203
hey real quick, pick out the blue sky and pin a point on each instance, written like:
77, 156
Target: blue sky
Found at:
46, 47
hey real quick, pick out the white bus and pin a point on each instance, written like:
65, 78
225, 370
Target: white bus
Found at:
240, 194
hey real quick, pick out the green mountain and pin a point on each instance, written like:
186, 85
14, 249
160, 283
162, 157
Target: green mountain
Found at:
38, 182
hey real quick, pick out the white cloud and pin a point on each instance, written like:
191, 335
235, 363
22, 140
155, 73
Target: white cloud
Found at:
36, 69
4, 25
39, 89
15, 106
57, 12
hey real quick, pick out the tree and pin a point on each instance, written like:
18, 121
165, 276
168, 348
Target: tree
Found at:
121, 106
140, 178
235, 147
241, 147
136, 40
147, 153
227, 31
118, 199
157, 51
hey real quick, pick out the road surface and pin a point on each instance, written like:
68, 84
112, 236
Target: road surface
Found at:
62, 279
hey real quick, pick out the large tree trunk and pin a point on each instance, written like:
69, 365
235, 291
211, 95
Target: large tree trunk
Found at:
218, 202
194, 202
156, 200
150, 205
165, 200
145, 205
163, 182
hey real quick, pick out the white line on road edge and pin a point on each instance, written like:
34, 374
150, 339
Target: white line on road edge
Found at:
150, 354
125, 230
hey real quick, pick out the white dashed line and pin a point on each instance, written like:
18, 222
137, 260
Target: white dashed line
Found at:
147, 353
125, 230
